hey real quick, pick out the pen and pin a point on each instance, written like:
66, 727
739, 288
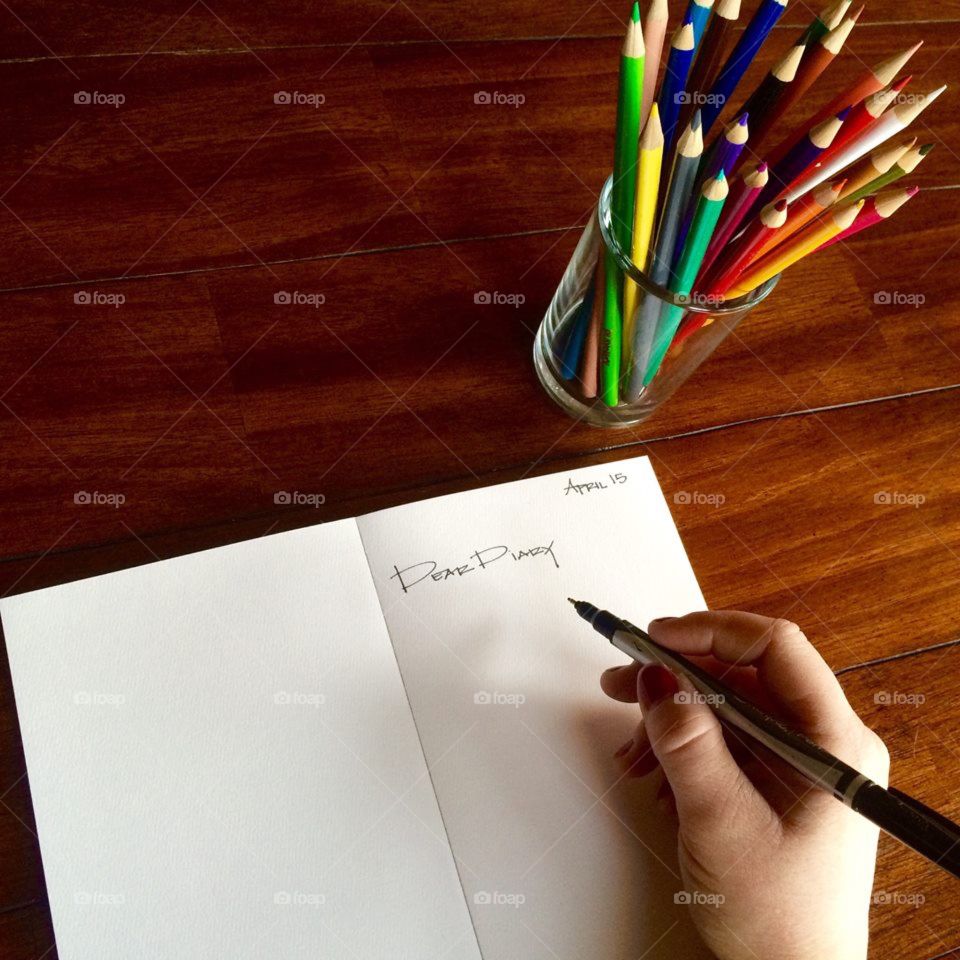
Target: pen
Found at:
926, 831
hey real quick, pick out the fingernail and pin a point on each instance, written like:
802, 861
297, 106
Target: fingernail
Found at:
655, 683
661, 619
623, 750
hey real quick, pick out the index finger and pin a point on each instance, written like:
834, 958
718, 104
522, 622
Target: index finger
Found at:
798, 679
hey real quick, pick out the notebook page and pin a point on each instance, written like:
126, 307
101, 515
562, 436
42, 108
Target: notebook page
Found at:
223, 762
560, 859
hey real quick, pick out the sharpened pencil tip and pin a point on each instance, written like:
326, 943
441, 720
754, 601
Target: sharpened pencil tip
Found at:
635, 13
696, 120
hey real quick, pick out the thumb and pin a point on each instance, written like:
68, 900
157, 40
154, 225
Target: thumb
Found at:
714, 796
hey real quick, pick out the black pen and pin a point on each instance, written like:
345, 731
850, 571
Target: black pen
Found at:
903, 817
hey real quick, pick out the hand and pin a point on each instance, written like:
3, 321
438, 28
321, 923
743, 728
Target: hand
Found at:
775, 868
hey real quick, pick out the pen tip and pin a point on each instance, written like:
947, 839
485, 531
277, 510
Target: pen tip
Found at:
574, 602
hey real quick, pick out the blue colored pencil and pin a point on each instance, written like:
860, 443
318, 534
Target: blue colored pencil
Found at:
698, 12
573, 349
768, 13
673, 85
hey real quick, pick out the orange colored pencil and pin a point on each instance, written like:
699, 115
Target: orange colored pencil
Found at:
810, 205
813, 236
590, 364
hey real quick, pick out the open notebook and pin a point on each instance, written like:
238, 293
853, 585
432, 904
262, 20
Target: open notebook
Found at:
374, 738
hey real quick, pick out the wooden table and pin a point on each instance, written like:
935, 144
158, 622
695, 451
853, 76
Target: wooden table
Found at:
142, 353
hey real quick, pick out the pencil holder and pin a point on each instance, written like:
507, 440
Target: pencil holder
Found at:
615, 367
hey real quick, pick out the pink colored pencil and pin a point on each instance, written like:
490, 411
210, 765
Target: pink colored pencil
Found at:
745, 191
881, 207
654, 32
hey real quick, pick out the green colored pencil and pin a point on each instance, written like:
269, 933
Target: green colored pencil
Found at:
906, 164
628, 129
709, 206
624, 194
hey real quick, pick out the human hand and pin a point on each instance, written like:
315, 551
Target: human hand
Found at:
775, 868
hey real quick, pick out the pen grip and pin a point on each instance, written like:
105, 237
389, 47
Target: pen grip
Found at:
912, 822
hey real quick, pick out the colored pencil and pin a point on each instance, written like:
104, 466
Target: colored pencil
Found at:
824, 22
709, 208
722, 156
871, 81
628, 129
802, 157
746, 189
760, 103
698, 12
725, 272
819, 55
572, 349
802, 212
716, 281
654, 34
876, 210
673, 87
889, 124
813, 236
648, 186
623, 199
683, 174
906, 164
745, 49
875, 165
709, 53
589, 366
865, 114
611, 333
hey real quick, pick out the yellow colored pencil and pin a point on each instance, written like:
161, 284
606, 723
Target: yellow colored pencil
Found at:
644, 213
806, 241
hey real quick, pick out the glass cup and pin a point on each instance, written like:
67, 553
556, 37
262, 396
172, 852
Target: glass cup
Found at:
571, 341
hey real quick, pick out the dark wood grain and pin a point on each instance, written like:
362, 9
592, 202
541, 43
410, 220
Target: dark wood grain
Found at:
35, 29
199, 168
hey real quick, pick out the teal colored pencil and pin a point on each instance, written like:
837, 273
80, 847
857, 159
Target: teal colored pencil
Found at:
709, 206
623, 198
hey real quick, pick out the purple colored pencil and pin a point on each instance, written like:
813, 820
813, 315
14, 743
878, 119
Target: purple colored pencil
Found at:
800, 157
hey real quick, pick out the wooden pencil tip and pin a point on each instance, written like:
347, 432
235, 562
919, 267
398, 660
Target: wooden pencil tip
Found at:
913, 191
900, 84
635, 12
926, 148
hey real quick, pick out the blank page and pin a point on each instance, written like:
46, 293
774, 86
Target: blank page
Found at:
223, 762
560, 858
